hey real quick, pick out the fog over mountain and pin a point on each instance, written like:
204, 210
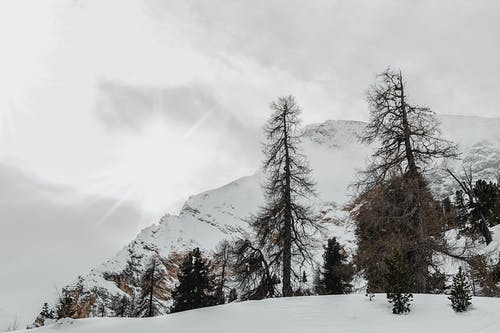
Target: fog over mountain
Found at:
118, 114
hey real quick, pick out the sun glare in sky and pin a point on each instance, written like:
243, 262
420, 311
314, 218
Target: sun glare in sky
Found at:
154, 168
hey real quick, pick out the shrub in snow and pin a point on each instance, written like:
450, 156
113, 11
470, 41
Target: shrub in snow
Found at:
460, 295
337, 273
45, 315
398, 281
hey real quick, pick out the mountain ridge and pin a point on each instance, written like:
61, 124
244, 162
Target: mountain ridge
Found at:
214, 215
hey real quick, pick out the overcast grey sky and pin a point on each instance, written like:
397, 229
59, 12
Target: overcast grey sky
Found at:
133, 105
137, 98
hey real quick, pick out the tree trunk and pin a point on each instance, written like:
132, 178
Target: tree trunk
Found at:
412, 167
223, 273
150, 305
419, 261
287, 236
421, 268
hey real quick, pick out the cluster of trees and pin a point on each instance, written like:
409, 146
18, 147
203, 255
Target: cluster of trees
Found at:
400, 226
275, 254
476, 206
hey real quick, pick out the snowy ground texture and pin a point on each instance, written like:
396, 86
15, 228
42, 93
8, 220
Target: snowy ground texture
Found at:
7, 320
339, 313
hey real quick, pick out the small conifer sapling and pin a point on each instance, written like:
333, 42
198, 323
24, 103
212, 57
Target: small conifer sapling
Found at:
460, 292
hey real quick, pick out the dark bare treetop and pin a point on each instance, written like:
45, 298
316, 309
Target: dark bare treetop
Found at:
409, 135
252, 272
285, 225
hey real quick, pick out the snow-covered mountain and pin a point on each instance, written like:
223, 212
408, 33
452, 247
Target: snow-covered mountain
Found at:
212, 216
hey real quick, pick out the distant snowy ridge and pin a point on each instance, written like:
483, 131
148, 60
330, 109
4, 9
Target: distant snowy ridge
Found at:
334, 153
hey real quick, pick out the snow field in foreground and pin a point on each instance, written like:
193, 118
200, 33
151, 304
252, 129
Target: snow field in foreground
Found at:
339, 313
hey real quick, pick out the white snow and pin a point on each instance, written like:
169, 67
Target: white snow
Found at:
8, 320
314, 314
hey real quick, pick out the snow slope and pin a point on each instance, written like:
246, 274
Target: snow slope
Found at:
7, 320
334, 154
315, 314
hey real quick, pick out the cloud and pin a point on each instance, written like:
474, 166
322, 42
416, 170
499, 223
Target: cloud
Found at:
205, 70
195, 109
49, 235
133, 107
447, 49
185, 137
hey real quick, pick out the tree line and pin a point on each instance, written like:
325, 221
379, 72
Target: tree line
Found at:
401, 227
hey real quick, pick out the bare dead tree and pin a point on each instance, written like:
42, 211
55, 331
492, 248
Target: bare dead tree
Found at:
153, 286
220, 267
252, 271
409, 140
284, 226
409, 134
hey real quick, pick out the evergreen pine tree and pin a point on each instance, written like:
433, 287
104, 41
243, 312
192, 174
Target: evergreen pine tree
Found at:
196, 287
284, 226
399, 282
337, 274
153, 289
460, 292
46, 313
479, 206
66, 306
486, 201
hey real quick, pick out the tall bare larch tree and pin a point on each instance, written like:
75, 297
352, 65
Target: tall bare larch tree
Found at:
284, 226
409, 140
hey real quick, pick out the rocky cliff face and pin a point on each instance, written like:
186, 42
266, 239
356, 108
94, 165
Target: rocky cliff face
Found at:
212, 216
